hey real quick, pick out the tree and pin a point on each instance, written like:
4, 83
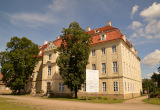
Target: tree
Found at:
73, 56
156, 78
18, 62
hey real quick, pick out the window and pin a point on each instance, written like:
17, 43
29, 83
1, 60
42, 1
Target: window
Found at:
2, 88
49, 70
103, 68
61, 87
103, 86
103, 37
50, 56
115, 86
7, 88
36, 74
93, 52
124, 67
125, 86
84, 87
128, 86
133, 86
114, 49
93, 67
114, 66
103, 51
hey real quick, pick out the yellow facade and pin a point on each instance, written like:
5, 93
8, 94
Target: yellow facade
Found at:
118, 65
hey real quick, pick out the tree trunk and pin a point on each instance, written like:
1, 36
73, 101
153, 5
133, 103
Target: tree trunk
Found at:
76, 92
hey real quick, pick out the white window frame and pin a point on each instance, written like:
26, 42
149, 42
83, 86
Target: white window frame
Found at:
103, 67
93, 52
114, 49
103, 37
103, 51
104, 86
49, 70
93, 66
61, 87
115, 86
115, 66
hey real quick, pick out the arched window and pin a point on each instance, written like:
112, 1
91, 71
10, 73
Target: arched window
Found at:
49, 70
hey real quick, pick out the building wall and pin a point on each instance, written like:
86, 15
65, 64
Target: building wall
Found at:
4, 89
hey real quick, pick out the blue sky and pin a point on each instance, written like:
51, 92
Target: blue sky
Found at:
41, 20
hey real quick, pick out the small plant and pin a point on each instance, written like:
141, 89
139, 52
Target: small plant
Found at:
105, 98
41, 91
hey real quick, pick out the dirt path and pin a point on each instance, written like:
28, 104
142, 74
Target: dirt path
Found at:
46, 104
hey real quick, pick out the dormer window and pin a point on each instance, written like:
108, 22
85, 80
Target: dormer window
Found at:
103, 37
96, 30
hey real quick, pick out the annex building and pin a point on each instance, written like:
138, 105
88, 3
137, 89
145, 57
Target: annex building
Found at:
110, 53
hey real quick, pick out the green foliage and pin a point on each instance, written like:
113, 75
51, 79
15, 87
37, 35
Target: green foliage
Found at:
153, 101
156, 78
73, 56
18, 62
150, 84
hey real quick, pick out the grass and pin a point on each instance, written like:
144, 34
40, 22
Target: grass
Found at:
90, 100
153, 101
8, 104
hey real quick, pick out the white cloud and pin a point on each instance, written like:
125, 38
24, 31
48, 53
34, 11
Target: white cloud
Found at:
151, 11
31, 19
150, 74
135, 24
134, 10
152, 59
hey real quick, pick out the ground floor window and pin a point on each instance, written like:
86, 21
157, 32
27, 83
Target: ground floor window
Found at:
2, 87
61, 87
115, 85
84, 87
103, 86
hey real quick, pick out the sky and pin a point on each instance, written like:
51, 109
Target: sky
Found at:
43, 20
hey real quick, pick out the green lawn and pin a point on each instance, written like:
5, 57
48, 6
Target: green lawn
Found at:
109, 101
153, 101
8, 104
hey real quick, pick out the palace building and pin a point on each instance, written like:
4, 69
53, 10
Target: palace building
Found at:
111, 54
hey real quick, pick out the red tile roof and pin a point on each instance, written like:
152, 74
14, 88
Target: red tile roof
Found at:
42, 50
112, 33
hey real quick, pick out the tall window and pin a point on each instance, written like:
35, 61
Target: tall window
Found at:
50, 56
93, 67
103, 51
103, 37
103, 68
114, 66
84, 87
93, 52
114, 49
103, 86
115, 85
61, 87
36, 74
128, 86
49, 70
125, 86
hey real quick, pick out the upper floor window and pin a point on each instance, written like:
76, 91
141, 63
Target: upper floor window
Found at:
103, 51
49, 70
61, 87
93, 52
50, 56
103, 37
115, 66
115, 85
93, 67
36, 74
103, 68
103, 86
114, 49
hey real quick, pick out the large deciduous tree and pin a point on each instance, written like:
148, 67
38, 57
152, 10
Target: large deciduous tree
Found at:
73, 56
18, 62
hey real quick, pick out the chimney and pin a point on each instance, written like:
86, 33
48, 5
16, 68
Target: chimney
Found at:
88, 29
108, 23
45, 42
57, 38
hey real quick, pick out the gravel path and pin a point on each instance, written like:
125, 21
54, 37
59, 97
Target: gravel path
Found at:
46, 104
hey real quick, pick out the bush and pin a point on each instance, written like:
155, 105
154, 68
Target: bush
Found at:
105, 98
41, 91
